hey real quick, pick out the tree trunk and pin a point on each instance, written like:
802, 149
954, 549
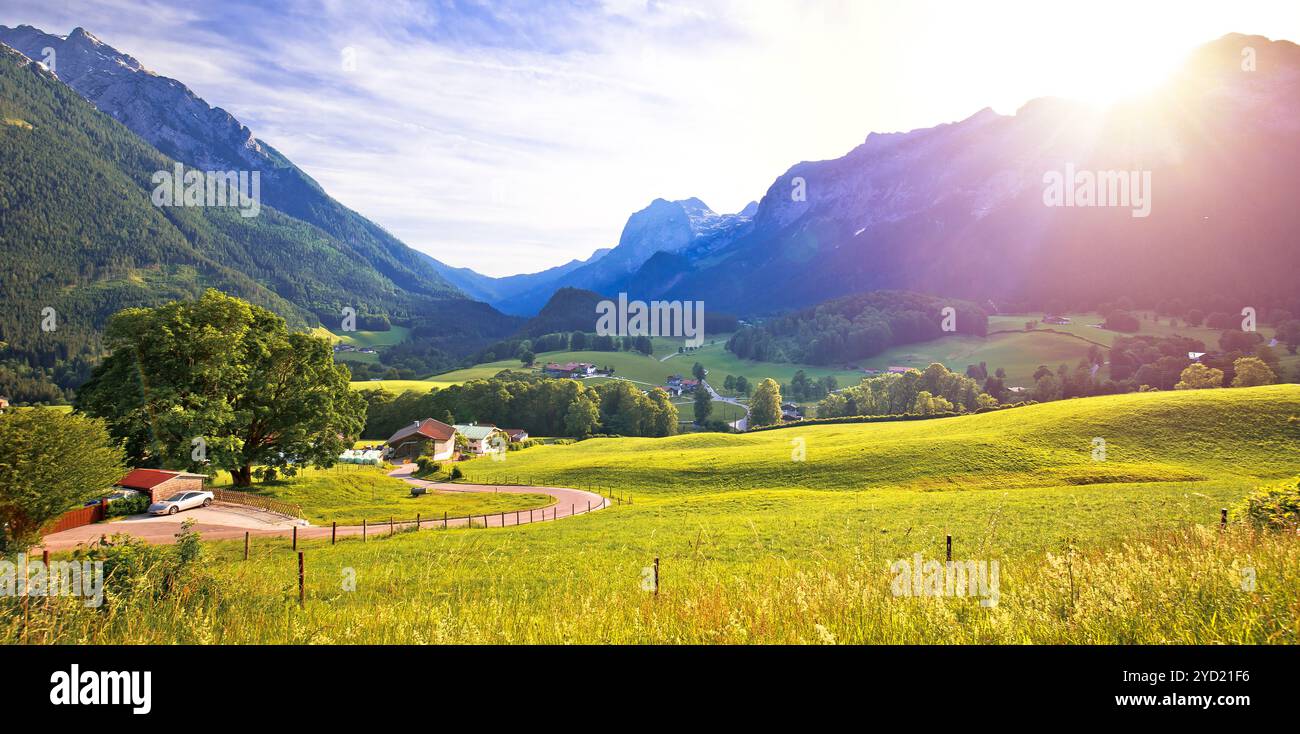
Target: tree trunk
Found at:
243, 476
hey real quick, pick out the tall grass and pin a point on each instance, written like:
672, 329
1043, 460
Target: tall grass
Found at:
1187, 585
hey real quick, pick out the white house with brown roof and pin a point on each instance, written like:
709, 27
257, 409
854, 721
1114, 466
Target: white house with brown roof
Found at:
428, 437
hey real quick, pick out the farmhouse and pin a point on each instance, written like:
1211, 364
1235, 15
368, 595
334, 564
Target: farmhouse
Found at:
483, 439
160, 484
4, 404
570, 369
428, 437
1058, 320
516, 434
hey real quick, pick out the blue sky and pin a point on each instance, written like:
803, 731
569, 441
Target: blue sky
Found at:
513, 136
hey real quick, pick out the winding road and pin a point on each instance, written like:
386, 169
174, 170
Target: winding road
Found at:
227, 522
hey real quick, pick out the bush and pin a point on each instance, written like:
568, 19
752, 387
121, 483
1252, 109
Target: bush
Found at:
1276, 507
456, 473
427, 465
133, 505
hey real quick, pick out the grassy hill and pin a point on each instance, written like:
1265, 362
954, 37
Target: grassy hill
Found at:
757, 548
1185, 436
642, 369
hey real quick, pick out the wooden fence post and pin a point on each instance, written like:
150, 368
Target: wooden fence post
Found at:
656, 575
363, 530
573, 510
1223, 518
334, 532
417, 522
245, 545
444, 520
45, 561
950, 547
302, 581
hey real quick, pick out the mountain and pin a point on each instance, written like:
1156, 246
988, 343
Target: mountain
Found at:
80, 235
686, 226
185, 128
569, 309
501, 292
959, 210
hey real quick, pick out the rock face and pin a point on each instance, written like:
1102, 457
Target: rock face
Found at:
958, 209
170, 117
688, 227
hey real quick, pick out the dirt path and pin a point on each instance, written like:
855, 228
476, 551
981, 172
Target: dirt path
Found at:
226, 522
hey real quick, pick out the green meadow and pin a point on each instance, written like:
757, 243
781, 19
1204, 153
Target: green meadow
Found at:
1019, 353
788, 536
350, 493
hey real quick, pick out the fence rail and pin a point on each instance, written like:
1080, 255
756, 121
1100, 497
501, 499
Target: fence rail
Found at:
76, 518
251, 500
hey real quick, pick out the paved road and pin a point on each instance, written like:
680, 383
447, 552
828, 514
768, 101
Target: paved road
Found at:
226, 522
739, 425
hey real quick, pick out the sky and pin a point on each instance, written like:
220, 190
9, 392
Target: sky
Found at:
514, 136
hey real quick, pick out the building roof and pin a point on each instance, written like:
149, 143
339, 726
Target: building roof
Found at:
150, 478
427, 428
568, 366
512, 432
476, 432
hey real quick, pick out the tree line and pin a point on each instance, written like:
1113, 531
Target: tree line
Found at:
542, 406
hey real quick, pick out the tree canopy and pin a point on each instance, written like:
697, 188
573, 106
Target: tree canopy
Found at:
50, 462
218, 382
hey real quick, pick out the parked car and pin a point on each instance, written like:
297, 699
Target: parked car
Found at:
112, 497
181, 501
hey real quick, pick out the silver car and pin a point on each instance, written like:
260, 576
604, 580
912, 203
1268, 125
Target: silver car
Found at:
181, 501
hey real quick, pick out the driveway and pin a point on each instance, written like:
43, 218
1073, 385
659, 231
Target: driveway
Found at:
739, 425
228, 522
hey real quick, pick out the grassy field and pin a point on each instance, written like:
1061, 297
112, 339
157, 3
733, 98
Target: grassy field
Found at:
639, 368
758, 547
350, 493
362, 340
722, 411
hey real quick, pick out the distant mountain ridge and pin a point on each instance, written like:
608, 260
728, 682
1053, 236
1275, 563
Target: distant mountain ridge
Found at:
181, 125
957, 209
685, 226
81, 238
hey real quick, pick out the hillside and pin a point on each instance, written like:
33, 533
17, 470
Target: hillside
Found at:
184, 127
1198, 436
80, 235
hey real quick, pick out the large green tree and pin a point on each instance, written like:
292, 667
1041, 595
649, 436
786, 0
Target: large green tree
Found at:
703, 405
1251, 372
765, 408
50, 462
218, 382
1199, 377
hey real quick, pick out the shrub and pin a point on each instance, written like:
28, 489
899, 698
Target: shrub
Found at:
427, 465
132, 505
1275, 507
456, 473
